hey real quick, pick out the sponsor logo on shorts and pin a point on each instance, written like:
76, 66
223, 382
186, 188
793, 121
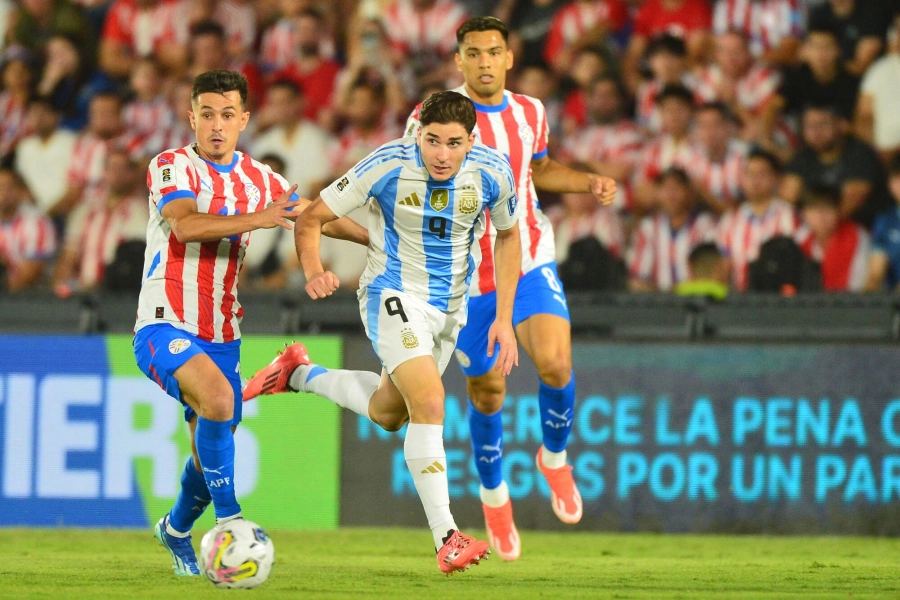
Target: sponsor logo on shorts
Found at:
179, 345
440, 199
463, 359
468, 201
409, 339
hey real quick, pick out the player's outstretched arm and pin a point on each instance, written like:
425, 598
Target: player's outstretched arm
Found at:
552, 176
307, 239
190, 225
344, 228
508, 254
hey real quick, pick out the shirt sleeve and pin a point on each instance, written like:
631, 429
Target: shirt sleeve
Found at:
412, 123
171, 176
277, 185
503, 203
542, 135
349, 192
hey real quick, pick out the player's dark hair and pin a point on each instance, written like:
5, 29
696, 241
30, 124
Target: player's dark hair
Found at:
220, 82
824, 106
765, 155
112, 94
608, 77
208, 28
288, 84
703, 259
719, 107
677, 92
822, 195
676, 173
668, 44
376, 87
448, 107
823, 29
482, 24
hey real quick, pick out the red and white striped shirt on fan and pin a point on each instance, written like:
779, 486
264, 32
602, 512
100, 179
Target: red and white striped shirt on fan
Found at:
844, 260
742, 233
753, 91
146, 117
604, 223
193, 286
517, 127
96, 231
619, 142
721, 179
431, 30
12, 122
143, 30
659, 254
278, 48
577, 18
238, 21
766, 23
89, 158
353, 145
28, 236
646, 111
662, 153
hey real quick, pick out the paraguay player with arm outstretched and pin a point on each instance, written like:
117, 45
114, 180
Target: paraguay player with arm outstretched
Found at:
516, 125
429, 198
205, 199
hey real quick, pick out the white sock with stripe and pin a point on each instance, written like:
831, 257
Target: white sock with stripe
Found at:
347, 389
427, 463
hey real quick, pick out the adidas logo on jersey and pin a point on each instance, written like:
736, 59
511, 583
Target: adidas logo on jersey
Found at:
411, 200
434, 467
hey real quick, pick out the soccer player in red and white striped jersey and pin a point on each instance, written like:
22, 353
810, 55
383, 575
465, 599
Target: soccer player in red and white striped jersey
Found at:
205, 199
27, 238
581, 22
762, 216
516, 125
718, 170
774, 27
663, 241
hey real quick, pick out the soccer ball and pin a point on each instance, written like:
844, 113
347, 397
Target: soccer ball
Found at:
237, 554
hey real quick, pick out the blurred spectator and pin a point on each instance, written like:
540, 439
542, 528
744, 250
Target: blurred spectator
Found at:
36, 21
205, 54
365, 131
840, 246
280, 44
878, 120
529, 25
774, 27
588, 64
17, 75
538, 82
743, 84
820, 79
580, 216
832, 158
579, 24
611, 143
708, 274
425, 32
720, 163
662, 242
673, 146
667, 60
67, 82
760, 217
137, 28
237, 18
27, 238
313, 73
688, 19
149, 109
884, 264
97, 229
300, 142
42, 159
861, 27
104, 131
179, 133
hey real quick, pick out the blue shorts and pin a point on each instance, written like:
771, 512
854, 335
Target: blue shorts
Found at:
161, 349
539, 293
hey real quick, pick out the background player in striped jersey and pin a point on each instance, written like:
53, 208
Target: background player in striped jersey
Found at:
516, 126
428, 200
205, 199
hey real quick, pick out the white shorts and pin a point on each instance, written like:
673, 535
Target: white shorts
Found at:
401, 327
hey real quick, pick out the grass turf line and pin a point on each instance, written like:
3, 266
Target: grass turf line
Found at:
398, 563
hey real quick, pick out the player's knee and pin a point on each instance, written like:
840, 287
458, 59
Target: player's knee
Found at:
390, 422
428, 407
218, 404
487, 395
555, 371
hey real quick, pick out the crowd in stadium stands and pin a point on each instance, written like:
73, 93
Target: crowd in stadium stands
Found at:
747, 136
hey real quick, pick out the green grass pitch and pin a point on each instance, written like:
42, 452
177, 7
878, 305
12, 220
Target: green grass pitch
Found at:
396, 563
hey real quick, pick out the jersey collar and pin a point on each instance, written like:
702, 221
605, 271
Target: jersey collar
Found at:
488, 108
221, 168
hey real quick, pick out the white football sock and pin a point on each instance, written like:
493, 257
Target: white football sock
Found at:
347, 389
427, 462
496, 497
553, 460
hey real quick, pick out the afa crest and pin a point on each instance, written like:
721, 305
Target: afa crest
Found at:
468, 202
440, 199
409, 339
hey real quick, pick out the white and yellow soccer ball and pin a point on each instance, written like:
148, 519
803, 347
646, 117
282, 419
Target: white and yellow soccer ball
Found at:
237, 554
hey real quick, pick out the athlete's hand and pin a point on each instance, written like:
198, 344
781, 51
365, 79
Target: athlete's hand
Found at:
322, 285
275, 214
502, 333
603, 189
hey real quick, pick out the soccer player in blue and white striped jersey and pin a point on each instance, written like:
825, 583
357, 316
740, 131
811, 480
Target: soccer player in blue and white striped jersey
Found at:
427, 197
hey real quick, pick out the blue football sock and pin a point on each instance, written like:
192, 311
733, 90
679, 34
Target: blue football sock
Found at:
557, 411
487, 445
192, 499
215, 447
